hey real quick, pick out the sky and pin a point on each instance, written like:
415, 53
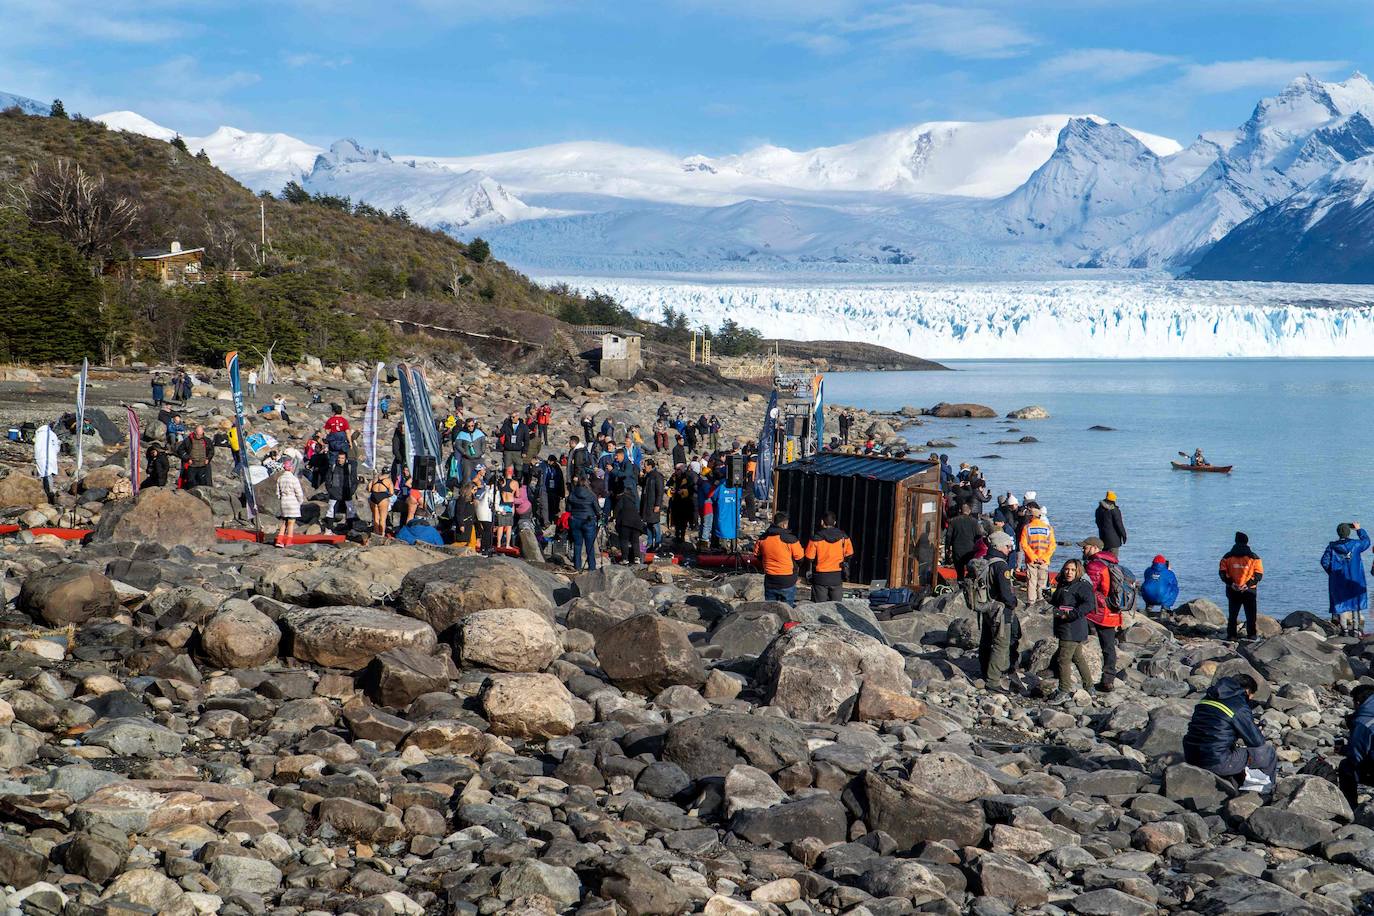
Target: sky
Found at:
457, 77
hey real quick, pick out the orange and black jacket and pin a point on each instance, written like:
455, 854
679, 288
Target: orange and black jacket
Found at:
778, 552
1241, 569
828, 550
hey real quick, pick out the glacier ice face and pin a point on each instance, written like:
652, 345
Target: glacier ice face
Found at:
1070, 319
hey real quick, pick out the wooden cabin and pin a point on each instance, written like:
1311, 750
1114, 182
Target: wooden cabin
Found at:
170, 266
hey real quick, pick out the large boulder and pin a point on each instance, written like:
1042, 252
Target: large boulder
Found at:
852, 615
357, 576
529, 706
441, 594
747, 632
1034, 412
815, 672
647, 653
951, 776
350, 637
911, 815
821, 816
18, 489
239, 636
68, 593
1299, 657
961, 411
508, 639
400, 675
613, 582
713, 744
167, 516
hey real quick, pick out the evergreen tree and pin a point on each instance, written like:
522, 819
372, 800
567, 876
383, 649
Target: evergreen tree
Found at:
58, 110
479, 250
735, 340
293, 193
221, 319
180, 144
400, 214
49, 299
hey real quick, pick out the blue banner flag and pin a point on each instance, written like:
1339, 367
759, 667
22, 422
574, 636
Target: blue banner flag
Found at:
250, 502
768, 443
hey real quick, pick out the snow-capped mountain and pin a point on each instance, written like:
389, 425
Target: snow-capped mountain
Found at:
432, 195
26, 105
1323, 233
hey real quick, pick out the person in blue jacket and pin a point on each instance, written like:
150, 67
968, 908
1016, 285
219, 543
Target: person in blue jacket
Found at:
1220, 719
1358, 764
1159, 586
1345, 580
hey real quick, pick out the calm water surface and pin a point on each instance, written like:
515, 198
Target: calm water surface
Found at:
1297, 431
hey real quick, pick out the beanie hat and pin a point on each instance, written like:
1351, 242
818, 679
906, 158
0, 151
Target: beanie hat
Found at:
1242, 538
1000, 540
1030, 496
1159, 558
1343, 530
1111, 496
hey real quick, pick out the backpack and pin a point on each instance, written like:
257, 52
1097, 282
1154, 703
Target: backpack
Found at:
1122, 590
977, 586
337, 441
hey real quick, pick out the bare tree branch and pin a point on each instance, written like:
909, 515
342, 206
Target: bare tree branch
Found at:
78, 206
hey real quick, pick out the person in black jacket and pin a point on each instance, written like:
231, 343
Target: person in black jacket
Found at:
651, 489
628, 525
584, 510
158, 467
679, 452
1220, 719
999, 625
552, 483
341, 484
1110, 526
515, 438
1073, 600
963, 535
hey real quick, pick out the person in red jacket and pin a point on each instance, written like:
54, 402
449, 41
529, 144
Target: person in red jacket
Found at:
541, 418
1098, 563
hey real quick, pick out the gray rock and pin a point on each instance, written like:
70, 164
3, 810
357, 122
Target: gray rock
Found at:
911, 815
20, 864
1109, 901
1313, 796
1195, 787
1008, 878
748, 787
244, 873
1299, 657
648, 653
712, 744
641, 890
1288, 829
903, 878
134, 738
528, 877
819, 816
814, 672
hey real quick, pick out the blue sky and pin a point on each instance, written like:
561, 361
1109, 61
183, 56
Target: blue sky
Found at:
710, 76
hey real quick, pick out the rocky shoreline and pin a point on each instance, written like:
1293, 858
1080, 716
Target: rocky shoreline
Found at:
198, 727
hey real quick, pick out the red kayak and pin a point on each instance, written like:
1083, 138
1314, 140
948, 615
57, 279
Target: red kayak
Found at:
265, 537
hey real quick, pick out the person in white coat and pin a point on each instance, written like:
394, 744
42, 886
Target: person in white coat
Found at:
45, 451
290, 495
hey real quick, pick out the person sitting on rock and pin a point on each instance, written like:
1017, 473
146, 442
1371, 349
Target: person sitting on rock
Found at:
1358, 764
1220, 719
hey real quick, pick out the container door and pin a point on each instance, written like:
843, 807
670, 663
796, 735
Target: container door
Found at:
923, 536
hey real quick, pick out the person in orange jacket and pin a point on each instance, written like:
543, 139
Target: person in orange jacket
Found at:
828, 550
778, 552
1038, 547
1241, 569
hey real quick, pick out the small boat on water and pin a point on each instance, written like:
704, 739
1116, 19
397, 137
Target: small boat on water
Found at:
1202, 468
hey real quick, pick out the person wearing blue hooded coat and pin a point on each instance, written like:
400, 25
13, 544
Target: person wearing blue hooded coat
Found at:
1345, 579
1221, 719
1358, 764
1159, 586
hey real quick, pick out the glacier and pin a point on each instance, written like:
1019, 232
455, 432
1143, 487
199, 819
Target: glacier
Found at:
1055, 319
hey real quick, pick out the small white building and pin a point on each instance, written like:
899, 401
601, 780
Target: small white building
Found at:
621, 355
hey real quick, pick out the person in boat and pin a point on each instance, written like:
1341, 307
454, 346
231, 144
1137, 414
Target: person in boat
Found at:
1199, 461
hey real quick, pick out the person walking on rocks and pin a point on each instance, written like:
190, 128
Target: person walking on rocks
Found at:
252, 383
46, 448
828, 550
1073, 600
1358, 764
341, 484
1241, 569
993, 597
584, 518
1100, 565
1221, 719
290, 496
651, 493
196, 452
682, 504
1038, 547
964, 532
515, 438
159, 391
1345, 581
1111, 528
778, 551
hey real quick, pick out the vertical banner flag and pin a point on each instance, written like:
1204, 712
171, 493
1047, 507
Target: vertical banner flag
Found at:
818, 387
429, 433
410, 417
370, 418
135, 454
763, 470
81, 411
231, 362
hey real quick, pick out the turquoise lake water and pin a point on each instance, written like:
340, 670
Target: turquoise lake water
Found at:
1299, 433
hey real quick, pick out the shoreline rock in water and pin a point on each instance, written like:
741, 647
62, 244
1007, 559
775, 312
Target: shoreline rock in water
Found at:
222, 727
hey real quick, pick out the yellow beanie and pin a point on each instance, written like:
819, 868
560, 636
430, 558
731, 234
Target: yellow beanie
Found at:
1111, 496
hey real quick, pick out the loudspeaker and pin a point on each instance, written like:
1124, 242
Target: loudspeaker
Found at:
426, 471
734, 471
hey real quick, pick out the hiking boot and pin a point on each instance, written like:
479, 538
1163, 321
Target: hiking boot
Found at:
1106, 686
1059, 697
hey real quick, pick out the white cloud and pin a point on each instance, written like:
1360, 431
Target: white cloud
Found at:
299, 59
1104, 63
1255, 73
38, 22
958, 31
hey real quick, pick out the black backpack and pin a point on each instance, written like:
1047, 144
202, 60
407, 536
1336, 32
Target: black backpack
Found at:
1123, 590
977, 586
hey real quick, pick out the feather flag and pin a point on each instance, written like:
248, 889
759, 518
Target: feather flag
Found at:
763, 471
410, 417
371, 416
818, 423
81, 412
250, 502
135, 453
